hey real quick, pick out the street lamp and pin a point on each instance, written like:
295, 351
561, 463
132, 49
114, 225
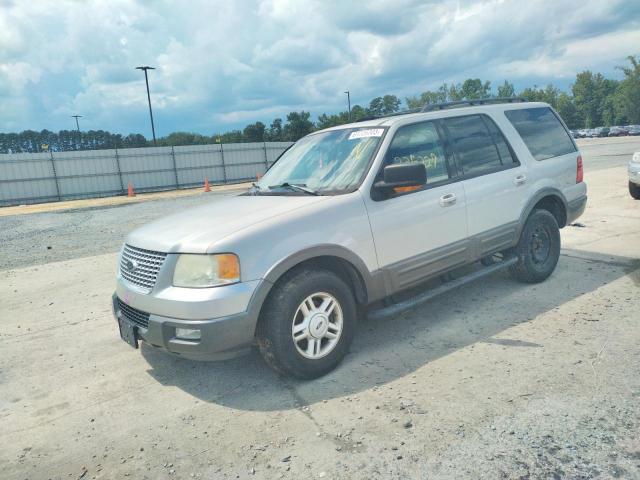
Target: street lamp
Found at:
146, 79
77, 124
349, 103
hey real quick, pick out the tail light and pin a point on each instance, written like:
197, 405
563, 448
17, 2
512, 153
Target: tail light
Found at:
579, 170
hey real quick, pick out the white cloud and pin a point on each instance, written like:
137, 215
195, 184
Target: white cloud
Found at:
220, 65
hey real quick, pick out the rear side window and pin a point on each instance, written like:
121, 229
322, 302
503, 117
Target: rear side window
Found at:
473, 144
506, 157
541, 131
419, 143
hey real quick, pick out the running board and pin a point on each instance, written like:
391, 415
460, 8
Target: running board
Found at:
445, 287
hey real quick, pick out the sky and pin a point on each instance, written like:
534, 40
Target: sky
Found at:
223, 64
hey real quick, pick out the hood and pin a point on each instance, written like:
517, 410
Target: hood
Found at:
195, 229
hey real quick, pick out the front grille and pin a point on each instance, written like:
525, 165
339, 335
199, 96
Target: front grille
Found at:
138, 317
140, 267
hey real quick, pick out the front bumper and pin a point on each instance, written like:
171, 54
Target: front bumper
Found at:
634, 172
224, 336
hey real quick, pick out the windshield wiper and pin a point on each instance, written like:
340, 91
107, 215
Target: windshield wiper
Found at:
295, 186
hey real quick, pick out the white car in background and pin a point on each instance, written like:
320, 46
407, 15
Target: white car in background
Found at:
634, 176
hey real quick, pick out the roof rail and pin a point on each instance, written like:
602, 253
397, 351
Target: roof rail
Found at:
394, 114
430, 107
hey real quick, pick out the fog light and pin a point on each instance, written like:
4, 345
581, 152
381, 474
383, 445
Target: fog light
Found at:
188, 334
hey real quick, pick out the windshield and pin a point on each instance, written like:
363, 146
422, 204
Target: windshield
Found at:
323, 162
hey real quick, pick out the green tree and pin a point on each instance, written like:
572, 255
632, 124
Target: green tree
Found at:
627, 95
474, 88
274, 132
183, 138
384, 105
298, 125
326, 121
506, 90
233, 136
590, 94
429, 97
254, 132
567, 110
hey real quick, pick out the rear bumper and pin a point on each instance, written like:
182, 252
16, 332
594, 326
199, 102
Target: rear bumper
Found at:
575, 208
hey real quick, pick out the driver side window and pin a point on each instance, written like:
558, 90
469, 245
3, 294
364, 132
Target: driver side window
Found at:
419, 143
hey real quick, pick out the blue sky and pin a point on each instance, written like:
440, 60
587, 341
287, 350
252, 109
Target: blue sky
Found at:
223, 64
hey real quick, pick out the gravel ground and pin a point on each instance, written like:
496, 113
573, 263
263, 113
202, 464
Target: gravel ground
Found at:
40, 238
498, 380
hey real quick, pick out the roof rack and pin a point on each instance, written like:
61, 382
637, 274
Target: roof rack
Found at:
430, 107
394, 114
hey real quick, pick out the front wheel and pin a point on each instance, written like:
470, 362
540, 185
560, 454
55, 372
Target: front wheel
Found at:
538, 249
634, 190
307, 323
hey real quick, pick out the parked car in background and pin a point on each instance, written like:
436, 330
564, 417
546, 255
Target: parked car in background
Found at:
634, 176
633, 130
592, 133
617, 132
344, 220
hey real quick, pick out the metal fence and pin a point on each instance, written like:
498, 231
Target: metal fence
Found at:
54, 176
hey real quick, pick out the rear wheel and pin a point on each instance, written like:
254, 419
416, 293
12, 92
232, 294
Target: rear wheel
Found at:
307, 323
538, 249
634, 190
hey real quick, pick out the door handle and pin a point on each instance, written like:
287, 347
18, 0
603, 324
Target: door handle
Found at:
448, 199
520, 179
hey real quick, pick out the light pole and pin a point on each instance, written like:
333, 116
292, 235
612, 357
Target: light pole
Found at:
77, 124
146, 79
349, 103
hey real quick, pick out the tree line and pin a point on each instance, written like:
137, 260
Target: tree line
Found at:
592, 101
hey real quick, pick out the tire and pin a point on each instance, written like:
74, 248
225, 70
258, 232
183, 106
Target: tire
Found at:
634, 190
289, 306
538, 249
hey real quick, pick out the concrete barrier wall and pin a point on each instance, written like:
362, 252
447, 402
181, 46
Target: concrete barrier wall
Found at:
54, 176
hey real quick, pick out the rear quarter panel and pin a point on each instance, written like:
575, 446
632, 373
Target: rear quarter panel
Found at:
558, 173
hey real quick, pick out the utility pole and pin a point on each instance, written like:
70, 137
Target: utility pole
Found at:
349, 103
146, 79
77, 124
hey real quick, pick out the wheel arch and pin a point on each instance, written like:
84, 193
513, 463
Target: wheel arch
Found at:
366, 286
550, 199
341, 260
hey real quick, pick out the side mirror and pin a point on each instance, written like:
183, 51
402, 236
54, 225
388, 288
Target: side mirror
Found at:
403, 175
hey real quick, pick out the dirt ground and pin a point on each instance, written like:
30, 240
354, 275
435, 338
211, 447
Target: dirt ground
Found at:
495, 380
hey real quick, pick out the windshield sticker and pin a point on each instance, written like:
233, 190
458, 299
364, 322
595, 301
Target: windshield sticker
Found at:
372, 132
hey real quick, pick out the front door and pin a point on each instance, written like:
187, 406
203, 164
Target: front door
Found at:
419, 233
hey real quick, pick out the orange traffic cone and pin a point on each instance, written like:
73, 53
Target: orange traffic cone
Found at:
207, 188
130, 192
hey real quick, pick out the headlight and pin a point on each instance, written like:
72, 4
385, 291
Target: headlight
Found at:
200, 271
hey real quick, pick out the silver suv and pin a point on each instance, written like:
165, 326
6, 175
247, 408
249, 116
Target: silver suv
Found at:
344, 220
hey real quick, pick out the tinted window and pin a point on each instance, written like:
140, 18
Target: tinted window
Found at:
501, 144
473, 144
541, 131
419, 143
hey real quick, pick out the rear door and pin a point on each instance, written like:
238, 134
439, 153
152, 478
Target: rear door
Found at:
419, 233
493, 179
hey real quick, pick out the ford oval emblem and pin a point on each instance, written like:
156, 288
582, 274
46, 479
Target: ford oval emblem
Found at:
131, 265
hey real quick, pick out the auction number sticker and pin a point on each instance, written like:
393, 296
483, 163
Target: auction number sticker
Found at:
371, 132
